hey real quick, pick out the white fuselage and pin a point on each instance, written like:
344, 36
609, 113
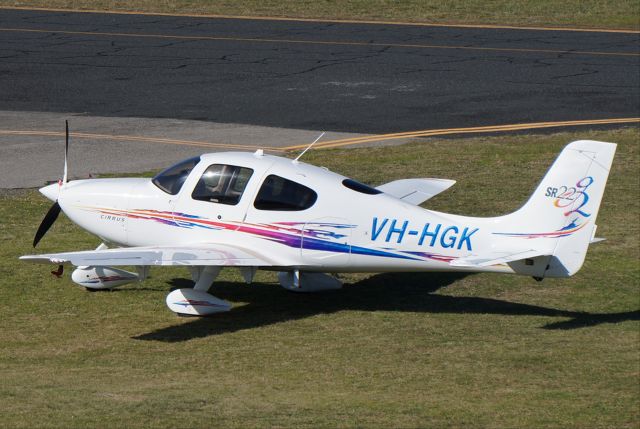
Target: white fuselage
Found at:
345, 230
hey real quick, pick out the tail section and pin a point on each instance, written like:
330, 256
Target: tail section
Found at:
560, 217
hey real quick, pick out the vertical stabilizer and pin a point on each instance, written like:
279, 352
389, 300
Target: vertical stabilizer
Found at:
561, 214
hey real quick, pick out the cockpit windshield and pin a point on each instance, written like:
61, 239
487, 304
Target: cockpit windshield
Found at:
172, 179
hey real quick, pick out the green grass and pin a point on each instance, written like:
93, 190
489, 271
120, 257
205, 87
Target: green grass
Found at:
401, 350
571, 13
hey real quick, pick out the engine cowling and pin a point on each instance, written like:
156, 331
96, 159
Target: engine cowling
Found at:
308, 282
102, 277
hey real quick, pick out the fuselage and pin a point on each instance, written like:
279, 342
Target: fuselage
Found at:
293, 213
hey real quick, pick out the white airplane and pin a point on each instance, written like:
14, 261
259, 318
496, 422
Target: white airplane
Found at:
255, 211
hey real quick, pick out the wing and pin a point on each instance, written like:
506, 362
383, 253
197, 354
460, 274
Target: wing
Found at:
218, 254
416, 191
493, 258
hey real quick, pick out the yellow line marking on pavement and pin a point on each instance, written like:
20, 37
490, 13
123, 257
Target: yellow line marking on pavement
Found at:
89, 136
319, 20
331, 143
315, 42
470, 130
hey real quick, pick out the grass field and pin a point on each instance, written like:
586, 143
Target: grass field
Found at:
403, 350
618, 14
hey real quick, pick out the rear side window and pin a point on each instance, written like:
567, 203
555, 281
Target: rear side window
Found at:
360, 187
278, 193
172, 179
223, 184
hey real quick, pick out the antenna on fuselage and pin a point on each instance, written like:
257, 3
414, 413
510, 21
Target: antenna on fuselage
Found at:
66, 151
308, 147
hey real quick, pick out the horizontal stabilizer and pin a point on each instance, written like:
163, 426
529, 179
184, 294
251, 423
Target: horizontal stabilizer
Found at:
217, 255
495, 258
416, 191
595, 239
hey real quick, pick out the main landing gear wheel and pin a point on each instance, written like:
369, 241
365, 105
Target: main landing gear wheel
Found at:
196, 301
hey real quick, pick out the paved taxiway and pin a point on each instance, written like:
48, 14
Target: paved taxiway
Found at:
345, 77
285, 76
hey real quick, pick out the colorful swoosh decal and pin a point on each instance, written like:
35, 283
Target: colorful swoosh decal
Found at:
182, 220
433, 256
193, 302
103, 279
304, 235
562, 232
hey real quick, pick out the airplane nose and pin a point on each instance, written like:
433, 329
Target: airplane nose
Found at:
50, 191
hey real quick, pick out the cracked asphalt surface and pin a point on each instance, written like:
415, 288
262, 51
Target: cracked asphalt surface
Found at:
361, 78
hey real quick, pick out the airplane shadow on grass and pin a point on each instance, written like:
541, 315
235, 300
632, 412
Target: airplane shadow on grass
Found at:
412, 292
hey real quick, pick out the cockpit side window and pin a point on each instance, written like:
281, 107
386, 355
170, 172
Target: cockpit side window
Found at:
172, 179
278, 193
222, 184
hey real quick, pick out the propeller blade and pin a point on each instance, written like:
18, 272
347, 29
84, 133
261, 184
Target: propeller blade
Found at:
66, 151
48, 220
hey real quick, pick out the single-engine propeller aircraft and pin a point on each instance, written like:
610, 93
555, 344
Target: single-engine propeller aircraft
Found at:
256, 211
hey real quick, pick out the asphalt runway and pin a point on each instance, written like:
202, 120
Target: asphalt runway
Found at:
143, 91
362, 78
